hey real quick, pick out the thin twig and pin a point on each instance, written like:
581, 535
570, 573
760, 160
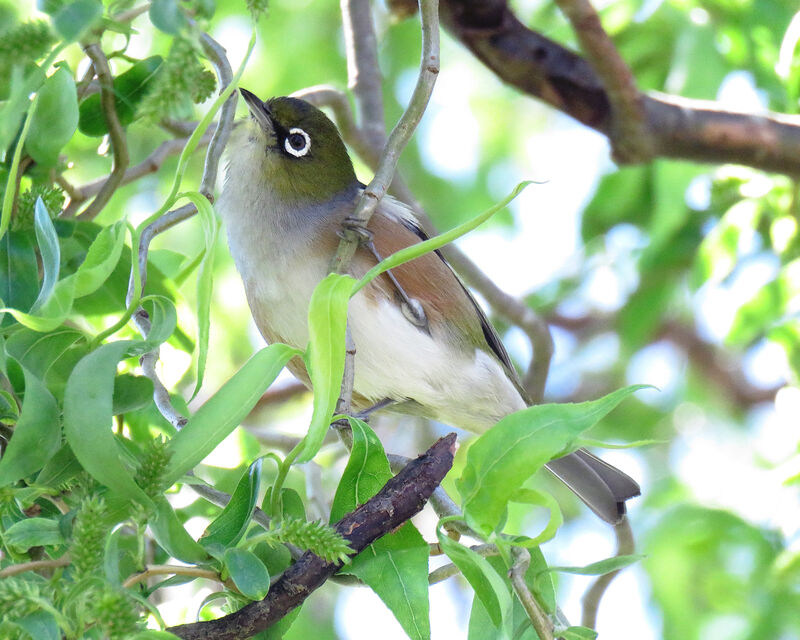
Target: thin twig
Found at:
401, 134
363, 71
400, 499
630, 138
541, 622
449, 570
150, 164
16, 569
591, 599
119, 144
177, 570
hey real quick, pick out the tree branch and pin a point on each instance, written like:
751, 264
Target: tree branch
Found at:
629, 136
593, 595
150, 164
541, 622
678, 127
402, 497
119, 145
401, 134
713, 363
16, 569
363, 71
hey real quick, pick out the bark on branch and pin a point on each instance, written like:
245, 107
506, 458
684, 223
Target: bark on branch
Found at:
676, 127
401, 498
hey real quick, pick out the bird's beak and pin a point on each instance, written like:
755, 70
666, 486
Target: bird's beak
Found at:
258, 110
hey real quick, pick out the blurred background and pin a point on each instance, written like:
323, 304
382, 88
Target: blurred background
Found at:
674, 274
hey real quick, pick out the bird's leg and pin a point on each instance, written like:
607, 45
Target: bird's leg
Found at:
366, 413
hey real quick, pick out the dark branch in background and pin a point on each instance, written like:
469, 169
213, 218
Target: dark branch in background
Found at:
119, 145
591, 599
400, 499
150, 164
674, 127
363, 71
628, 133
714, 363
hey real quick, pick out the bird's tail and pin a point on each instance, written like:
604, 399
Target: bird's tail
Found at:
603, 488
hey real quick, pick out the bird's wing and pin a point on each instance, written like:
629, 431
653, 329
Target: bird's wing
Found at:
435, 285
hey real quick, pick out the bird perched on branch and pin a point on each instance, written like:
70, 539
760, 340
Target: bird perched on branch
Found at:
422, 342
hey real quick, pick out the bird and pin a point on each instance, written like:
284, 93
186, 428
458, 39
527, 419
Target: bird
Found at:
423, 344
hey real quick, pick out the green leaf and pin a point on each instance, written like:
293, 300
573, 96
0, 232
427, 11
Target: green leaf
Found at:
76, 17
34, 532
166, 15
205, 281
52, 313
40, 625
131, 393
54, 119
542, 499
50, 251
152, 634
601, 567
37, 434
247, 572
101, 258
230, 525
396, 565
129, 90
421, 248
19, 271
504, 457
327, 324
171, 535
767, 306
88, 401
482, 577
225, 409
578, 633
61, 468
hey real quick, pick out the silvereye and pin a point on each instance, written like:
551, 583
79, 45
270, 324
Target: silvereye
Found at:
422, 342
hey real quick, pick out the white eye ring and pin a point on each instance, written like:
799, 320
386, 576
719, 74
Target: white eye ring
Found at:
297, 153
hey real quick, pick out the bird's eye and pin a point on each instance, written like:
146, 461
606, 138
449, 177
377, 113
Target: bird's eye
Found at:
297, 143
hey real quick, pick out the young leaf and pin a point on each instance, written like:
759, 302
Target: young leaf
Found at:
482, 577
88, 401
542, 499
247, 572
225, 409
601, 567
504, 457
395, 566
166, 15
171, 535
131, 393
229, 526
76, 17
41, 625
37, 434
50, 251
55, 118
52, 313
129, 90
19, 271
416, 250
578, 633
205, 281
101, 258
327, 323
34, 532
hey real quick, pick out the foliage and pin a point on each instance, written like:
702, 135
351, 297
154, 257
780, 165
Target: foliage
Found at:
97, 483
